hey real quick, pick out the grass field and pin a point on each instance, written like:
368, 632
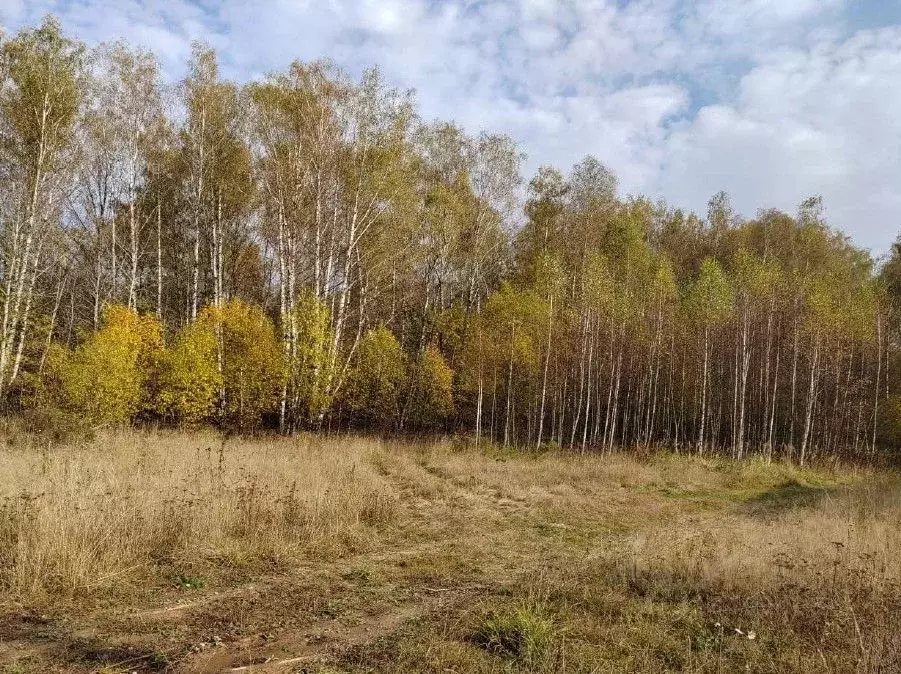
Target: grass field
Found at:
178, 552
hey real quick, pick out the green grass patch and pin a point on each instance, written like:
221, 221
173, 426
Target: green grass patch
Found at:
525, 633
190, 582
359, 574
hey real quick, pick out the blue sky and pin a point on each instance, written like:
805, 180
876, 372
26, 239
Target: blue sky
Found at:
771, 100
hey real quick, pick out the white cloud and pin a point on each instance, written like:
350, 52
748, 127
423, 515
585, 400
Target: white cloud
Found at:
752, 26
822, 121
770, 99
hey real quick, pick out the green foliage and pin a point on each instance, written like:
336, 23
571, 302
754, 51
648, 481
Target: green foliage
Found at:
755, 278
540, 237
190, 582
312, 369
836, 307
549, 275
376, 383
452, 327
890, 276
516, 315
600, 286
662, 287
711, 296
432, 392
44, 69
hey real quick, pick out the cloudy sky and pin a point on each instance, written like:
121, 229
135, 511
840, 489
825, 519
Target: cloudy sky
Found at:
770, 100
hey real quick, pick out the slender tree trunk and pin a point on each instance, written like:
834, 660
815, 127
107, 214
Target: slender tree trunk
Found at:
98, 280
133, 242
23, 329
745, 368
794, 384
766, 373
607, 413
317, 249
614, 416
704, 392
159, 262
507, 419
52, 328
285, 324
114, 280
198, 208
735, 385
582, 377
811, 397
19, 262
588, 393
772, 426
876, 387
547, 361
480, 395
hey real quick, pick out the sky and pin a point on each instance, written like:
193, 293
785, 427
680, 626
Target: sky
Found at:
770, 100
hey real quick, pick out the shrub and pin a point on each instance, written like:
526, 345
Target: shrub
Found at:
105, 379
311, 374
252, 366
226, 366
190, 382
374, 387
432, 390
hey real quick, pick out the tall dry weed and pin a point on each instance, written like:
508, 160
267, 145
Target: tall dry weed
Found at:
75, 519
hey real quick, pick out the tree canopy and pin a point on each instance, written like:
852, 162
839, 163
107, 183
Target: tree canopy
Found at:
303, 251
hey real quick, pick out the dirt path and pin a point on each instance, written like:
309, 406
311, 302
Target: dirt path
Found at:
458, 539
322, 640
481, 532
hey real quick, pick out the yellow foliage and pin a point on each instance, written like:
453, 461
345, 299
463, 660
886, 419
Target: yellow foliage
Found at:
104, 380
375, 384
433, 396
189, 381
252, 365
512, 324
228, 363
311, 374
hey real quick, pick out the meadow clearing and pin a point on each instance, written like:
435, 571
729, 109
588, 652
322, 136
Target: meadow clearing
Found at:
185, 552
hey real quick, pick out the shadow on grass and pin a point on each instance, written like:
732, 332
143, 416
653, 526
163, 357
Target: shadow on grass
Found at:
755, 502
55, 643
786, 496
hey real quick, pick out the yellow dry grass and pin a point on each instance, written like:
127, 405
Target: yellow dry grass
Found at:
401, 555
76, 519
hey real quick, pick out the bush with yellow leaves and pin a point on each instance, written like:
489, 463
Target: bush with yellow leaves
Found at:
432, 394
374, 388
310, 378
189, 381
106, 378
227, 366
253, 367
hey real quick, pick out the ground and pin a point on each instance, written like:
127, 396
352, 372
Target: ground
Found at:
183, 552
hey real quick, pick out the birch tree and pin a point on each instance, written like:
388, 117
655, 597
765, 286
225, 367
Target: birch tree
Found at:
39, 105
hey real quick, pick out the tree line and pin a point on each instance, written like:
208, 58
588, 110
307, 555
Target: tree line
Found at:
304, 251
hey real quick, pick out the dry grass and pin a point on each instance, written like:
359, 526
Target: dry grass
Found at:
364, 555
75, 520
819, 588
